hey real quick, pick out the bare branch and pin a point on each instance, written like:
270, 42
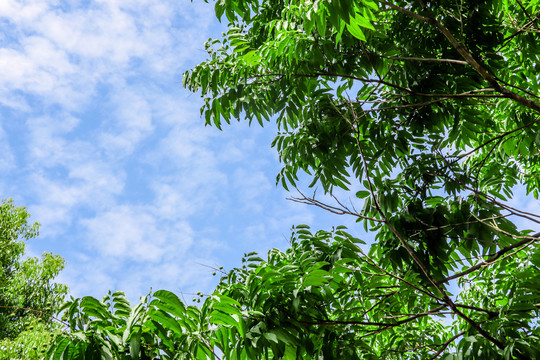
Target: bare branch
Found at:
406, 58
446, 343
368, 323
41, 313
333, 209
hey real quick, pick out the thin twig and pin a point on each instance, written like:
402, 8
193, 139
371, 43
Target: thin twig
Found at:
41, 313
446, 343
493, 258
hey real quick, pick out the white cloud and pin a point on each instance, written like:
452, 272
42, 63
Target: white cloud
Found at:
7, 159
253, 188
64, 177
171, 203
136, 234
20, 12
65, 52
137, 249
128, 124
86, 277
47, 143
56, 201
90, 84
38, 67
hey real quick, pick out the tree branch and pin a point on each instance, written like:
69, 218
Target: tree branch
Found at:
407, 58
368, 323
41, 313
492, 259
446, 343
468, 57
333, 209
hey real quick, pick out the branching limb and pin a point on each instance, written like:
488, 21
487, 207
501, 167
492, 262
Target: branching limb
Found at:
493, 259
408, 58
342, 210
501, 136
447, 300
446, 343
41, 313
381, 324
468, 57
399, 278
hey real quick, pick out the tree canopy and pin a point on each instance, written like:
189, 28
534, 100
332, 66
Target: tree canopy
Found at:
428, 114
431, 110
28, 295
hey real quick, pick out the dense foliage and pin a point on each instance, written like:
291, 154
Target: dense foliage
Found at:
28, 294
30, 344
428, 113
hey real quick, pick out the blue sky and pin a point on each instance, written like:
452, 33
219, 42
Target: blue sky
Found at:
109, 153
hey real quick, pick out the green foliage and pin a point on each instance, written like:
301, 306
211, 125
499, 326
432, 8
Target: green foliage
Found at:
323, 298
107, 329
31, 344
27, 290
429, 111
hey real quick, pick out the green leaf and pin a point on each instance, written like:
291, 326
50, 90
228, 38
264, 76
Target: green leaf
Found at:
217, 317
167, 321
290, 352
58, 348
135, 346
169, 302
362, 194
356, 31
316, 278
271, 337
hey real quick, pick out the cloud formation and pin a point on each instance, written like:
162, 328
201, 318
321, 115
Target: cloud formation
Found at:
110, 154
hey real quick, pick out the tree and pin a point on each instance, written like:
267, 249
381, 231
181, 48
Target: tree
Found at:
30, 344
428, 113
27, 290
432, 109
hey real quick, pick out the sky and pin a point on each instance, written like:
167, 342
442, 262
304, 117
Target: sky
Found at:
107, 151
